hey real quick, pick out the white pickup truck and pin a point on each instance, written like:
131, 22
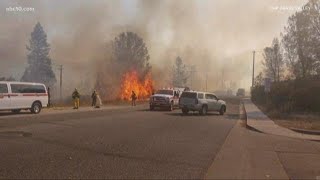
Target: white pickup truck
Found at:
201, 102
165, 98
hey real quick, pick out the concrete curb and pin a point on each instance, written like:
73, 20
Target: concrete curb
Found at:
246, 119
305, 131
263, 126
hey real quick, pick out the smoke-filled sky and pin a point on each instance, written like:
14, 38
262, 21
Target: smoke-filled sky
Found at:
218, 37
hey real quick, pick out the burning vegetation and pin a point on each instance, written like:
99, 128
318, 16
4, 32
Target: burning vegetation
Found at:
130, 58
131, 82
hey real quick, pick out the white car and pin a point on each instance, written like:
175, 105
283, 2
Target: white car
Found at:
167, 98
201, 102
16, 96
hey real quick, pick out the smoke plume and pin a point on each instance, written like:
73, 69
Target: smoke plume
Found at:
217, 37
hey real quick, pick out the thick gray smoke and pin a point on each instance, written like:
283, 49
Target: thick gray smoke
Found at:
215, 36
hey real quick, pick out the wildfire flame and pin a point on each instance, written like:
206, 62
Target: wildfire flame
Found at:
131, 82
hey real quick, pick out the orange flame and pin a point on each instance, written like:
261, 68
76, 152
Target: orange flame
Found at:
131, 82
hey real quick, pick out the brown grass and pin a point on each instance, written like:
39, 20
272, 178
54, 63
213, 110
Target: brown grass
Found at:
300, 120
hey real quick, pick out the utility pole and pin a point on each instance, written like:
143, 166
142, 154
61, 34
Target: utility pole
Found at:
206, 82
253, 53
60, 68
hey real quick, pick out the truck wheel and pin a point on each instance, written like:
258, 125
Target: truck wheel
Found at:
151, 108
222, 110
16, 111
203, 110
185, 111
36, 108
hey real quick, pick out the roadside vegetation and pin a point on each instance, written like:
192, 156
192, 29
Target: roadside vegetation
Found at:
291, 103
292, 66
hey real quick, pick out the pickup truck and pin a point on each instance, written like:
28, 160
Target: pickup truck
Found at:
165, 98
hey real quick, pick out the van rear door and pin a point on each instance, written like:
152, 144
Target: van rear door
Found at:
5, 101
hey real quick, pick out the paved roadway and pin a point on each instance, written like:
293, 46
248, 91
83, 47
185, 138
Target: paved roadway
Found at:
116, 143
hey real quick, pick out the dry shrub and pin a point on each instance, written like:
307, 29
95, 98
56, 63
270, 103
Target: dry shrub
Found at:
289, 96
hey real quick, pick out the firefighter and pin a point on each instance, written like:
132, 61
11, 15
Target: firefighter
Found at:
49, 97
98, 102
76, 98
133, 98
94, 98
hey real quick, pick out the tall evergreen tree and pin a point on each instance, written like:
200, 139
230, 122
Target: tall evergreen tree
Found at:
131, 53
39, 69
179, 73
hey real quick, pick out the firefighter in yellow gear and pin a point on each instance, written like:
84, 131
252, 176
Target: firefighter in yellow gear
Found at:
76, 98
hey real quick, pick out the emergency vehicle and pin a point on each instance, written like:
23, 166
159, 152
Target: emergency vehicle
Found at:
17, 96
165, 98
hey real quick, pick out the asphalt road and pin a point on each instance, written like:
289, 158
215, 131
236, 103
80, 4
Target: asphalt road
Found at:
117, 143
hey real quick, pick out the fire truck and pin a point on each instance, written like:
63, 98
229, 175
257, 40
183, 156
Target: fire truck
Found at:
165, 98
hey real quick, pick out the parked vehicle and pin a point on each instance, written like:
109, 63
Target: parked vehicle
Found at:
165, 98
202, 102
241, 92
17, 96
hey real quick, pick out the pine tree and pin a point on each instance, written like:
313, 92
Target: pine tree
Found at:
179, 73
39, 69
131, 53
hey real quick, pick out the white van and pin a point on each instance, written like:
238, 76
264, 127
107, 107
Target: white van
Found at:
16, 96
